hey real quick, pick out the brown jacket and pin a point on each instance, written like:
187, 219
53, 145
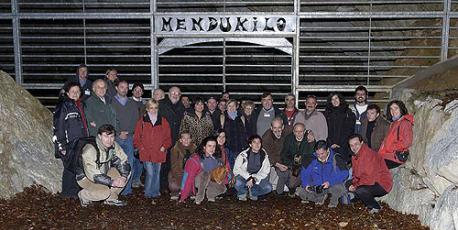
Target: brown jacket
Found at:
272, 145
177, 155
378, 134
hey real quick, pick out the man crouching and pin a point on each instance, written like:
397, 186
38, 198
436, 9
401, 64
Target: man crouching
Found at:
103, 169
325, 175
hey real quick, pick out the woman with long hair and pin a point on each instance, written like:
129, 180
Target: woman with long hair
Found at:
198, 170
69, 126
395, 146
341, 124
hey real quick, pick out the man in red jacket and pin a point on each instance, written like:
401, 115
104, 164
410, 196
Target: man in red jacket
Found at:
371, 177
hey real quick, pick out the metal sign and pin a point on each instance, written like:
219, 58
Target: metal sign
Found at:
217, 24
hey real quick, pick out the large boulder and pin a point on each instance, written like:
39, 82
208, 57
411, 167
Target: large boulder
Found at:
426, 184
26, 149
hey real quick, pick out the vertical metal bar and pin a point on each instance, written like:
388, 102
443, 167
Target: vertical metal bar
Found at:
17, 42
153, 49
224, 65
369, 45
445, 29
84, 33
295, 58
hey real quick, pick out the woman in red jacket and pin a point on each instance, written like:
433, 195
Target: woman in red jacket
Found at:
395, 146
152, 137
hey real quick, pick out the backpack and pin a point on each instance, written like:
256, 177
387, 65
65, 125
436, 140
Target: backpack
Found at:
73, 160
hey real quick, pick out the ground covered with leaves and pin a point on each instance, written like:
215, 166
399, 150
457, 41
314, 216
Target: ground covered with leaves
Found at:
36, 209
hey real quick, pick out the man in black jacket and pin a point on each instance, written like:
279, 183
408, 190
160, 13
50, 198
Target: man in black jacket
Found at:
173, 110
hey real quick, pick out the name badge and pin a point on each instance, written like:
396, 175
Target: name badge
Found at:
266, 114
87, 92
358, 122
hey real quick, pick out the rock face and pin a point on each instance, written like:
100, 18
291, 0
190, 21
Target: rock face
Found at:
26, 149
427, 184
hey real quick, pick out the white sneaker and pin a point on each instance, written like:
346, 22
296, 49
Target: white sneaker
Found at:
375, 210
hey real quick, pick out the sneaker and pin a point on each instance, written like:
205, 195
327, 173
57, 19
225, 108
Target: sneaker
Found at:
298, 191
321, 202
291, 193
242, 198
374, 210
174, 197
118, 203
330, 205
137, 184
253, 198
192, 197
304, 201
211, 200
84, 203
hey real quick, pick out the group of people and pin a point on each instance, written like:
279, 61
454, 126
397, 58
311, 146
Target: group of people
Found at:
209, 148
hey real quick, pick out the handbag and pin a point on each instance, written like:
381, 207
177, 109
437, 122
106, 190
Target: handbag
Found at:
219, 173
402, 156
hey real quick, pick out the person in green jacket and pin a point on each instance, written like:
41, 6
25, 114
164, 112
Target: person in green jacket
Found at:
297, 150
98, 109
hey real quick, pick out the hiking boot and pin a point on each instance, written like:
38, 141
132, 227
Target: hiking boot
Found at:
118, 203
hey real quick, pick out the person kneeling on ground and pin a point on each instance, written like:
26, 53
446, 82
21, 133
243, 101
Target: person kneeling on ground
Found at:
199, 172
325, 175
103, 169
251, 171
371, 177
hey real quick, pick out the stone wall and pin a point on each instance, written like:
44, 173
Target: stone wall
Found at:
26, 149
427, 184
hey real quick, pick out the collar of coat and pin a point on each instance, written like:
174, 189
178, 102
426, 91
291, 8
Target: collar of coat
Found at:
146, 119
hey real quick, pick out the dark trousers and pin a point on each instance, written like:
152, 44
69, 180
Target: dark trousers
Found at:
69, 186
165, 168
367, 194
391, 164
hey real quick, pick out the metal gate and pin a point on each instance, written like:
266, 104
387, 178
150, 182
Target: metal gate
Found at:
307, 47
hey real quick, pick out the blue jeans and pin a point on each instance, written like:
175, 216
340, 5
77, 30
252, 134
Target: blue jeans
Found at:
127, 146
137, 170
152, 181
260, 189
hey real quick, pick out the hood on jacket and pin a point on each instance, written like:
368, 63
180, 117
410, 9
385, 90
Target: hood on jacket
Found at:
408, 117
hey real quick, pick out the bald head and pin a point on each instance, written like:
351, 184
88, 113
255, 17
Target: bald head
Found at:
174, 94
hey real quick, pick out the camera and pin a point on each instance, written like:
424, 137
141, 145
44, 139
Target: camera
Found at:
318, 188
